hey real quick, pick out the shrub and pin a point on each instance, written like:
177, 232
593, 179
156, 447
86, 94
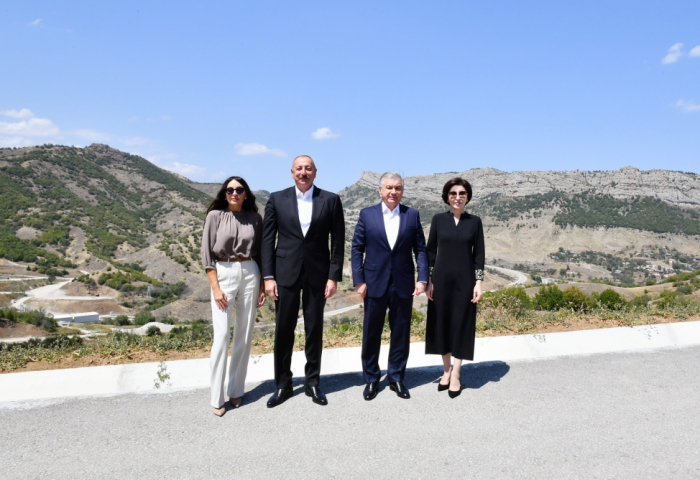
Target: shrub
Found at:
668, 299
575, 299
685, 289
514, 300
152, 331
611, 300
38, 318
142, 318
650, 281
121, 320
549, 297
639, 302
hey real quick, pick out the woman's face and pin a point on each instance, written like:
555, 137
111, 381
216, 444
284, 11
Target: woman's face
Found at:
235, 194
457, 197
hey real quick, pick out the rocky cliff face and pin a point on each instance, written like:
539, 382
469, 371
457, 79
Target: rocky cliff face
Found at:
676, 188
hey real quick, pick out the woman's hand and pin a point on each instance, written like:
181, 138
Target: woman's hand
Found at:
477, 292
261, 298
429, 290
220, 299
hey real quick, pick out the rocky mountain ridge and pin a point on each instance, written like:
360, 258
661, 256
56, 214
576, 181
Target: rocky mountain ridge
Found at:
676, 188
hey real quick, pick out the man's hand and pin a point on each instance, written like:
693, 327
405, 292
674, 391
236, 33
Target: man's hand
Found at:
271, 288
331, 286
361, 288
420, 288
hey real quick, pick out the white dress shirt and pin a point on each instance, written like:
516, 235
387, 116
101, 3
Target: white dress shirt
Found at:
305, 205
392, 221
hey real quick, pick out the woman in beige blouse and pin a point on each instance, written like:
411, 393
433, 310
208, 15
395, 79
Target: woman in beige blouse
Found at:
231, 258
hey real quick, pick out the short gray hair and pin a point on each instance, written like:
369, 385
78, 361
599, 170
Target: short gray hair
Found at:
389, 175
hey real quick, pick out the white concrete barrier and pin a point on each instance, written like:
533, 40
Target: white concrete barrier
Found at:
189, 374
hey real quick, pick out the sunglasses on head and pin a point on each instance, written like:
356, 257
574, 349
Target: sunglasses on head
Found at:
238, 190
461, 194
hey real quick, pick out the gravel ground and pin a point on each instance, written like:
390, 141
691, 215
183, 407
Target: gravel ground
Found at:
630, 415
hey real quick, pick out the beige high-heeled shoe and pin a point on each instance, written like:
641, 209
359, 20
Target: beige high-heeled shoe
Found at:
235, 402
219, 412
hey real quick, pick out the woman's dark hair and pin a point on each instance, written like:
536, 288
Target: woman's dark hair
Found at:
220, 202
456, 181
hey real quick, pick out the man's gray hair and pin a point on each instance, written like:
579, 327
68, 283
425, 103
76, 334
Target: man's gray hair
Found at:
389, 175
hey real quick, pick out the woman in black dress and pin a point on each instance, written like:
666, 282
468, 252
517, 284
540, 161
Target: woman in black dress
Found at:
456, 254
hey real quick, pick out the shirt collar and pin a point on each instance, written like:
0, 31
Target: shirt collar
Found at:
307, 194
386, 211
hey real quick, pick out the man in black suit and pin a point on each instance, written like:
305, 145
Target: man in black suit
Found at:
296, 257
387, 236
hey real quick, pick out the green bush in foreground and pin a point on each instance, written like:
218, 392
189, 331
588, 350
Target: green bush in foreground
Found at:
549, 297
575, 299
513, 300
611, 300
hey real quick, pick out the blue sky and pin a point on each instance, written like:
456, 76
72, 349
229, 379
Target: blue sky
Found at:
218, 88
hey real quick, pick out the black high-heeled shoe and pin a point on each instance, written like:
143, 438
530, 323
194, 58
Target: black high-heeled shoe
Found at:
441, 387
454, 394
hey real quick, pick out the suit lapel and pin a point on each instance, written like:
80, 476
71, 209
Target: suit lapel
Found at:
294, 209
403, 219
317, 204
379, 221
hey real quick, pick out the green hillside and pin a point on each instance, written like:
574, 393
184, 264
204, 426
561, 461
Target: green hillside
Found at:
114, 197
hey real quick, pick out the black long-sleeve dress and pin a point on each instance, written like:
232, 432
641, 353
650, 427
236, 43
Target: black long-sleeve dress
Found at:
456, 255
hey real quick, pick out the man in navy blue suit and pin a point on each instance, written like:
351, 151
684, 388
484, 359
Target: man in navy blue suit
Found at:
387, 236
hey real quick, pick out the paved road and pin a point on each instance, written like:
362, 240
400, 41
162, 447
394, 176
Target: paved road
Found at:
519, 277
54, 292
631, 415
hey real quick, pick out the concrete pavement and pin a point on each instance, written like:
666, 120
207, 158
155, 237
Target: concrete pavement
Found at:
616, 415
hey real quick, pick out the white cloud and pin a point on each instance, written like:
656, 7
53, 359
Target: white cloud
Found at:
9, 142
688, 106
218, 176
324, 133
695, 52
165, 117
134, 141
34, 127
91, 135
185, 168
674, 53
35, 23
258, 149
158, 158
24, 113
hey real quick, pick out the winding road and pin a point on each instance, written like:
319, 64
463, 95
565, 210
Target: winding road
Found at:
520, 277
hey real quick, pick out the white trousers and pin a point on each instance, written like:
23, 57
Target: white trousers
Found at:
240, 281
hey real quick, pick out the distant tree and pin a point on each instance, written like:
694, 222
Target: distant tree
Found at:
142, 318
152, 331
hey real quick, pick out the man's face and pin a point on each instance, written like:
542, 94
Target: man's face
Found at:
303, 173
391, 192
